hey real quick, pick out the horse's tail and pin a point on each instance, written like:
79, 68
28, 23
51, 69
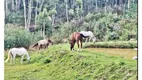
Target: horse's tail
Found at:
9, 55
82, 35
35, 44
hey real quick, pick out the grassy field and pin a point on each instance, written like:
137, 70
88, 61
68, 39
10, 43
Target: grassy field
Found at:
58, 63
124, 53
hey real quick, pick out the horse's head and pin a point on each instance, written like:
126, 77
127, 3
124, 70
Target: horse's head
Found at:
28, 60
49, 41
28, 57
72, 42
94, 39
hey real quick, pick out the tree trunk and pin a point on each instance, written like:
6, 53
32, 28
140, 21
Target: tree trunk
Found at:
115, 2
105, 5
41, 32
96, 4
88, 9
66, 10
6, 7
36, 10
25, 14
44, 30
41, 6
12, 4
16, 4
29, 14
128, 4
73, 3
53, 16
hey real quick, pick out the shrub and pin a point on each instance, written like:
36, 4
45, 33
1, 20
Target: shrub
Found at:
113, 36
18, 37
89, 17
46, 60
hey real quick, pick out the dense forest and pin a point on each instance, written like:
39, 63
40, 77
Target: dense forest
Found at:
31, 20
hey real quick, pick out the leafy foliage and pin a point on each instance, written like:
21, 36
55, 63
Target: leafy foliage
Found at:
106, 19
18, 37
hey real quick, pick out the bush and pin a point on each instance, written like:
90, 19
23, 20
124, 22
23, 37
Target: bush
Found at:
89, 17
46, 60
113, 36
18, 37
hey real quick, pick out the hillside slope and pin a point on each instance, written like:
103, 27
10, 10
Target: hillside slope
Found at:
58, 63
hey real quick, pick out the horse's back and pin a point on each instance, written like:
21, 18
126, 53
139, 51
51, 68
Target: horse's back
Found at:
87, 33
44, 41
20, 51
76, 36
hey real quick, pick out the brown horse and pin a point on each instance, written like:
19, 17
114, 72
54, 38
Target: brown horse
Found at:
43, 43
76, 37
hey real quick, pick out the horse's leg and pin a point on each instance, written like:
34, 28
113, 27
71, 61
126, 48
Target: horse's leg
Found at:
86, 40
48, 45
45, 46
11, 60
14, 59
38, 49
81, 44
78, 44
22, 57
89, 39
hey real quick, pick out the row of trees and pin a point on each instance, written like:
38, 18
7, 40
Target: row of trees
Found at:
54, 16
28, 10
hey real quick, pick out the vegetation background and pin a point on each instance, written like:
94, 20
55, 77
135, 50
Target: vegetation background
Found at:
32, 20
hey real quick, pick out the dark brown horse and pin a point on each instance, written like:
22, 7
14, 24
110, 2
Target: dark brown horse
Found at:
76, 37
43, 43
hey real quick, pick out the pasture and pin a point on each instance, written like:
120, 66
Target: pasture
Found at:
59, 63
110, 24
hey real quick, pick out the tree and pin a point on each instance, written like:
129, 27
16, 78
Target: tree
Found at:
96, 4
29, 14
25, 17
52, 13
128, 4
43, 21
79, 9
13, 5
66, 2
6, 7
37, 1
41, 5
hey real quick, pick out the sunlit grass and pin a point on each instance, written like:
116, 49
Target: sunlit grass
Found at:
67, 65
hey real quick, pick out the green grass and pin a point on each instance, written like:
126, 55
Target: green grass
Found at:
58, 63
113, 44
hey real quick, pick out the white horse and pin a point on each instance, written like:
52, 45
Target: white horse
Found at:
17, 51
88, 34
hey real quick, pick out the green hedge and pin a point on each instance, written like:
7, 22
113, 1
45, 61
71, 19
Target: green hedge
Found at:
113, 44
